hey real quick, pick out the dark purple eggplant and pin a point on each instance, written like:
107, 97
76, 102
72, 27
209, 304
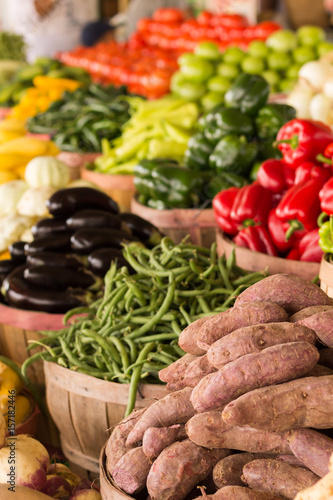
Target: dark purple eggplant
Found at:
94, 218
18, 272
100, 260
87, 240
65, 202
54, 259
149, 234
59, 243
60, 279
49, 226
17, 252
22, 296
7, 266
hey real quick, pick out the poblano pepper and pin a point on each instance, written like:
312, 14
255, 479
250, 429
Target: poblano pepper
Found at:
222, 121
143, 175
223, 181
198, 152
235, 154
248, 93
271, 118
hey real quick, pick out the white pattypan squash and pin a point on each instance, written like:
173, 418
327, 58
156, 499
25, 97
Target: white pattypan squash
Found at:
10, 194
47, 171
33, 202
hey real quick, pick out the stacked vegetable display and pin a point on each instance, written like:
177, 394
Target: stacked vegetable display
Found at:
253, 382
228, 146
278, 213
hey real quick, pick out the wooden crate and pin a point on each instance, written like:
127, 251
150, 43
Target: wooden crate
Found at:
119, 187
85, 408
257, 261
200, 225
326, 276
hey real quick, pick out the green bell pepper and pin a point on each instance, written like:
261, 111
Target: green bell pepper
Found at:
143, 175
326, 237
235, 154
224, 180
254, 171
175, 186
267, 151
271, 118
224, 121
248, 93
198, 152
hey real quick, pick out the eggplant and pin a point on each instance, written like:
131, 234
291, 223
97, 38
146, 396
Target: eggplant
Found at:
87, 240
94, 218
149, 234
22, 296
18, 272
100, 260
54, 259
60, 279
49, 226
17, 252
7, 266
65, 202
59, 243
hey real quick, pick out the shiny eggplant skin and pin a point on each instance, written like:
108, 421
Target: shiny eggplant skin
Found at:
54, 278
100, 260
22, 296
142, 229
49, 226
54, 259
93, 218
87, 240
17, 252
67, 201
59, 243
18, 272
7, 266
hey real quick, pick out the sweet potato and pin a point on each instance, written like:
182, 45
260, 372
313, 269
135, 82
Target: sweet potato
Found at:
239, 493
197, 370
179, 468
255, 338
209, 430
291, 459
319, 371
322, 324
307, 312
277, 477
246, 314
228, 471
312, 448
131, 471
155, 439
305, 402
175, 408
176, 370
326, 357
291, 292
188, 338
322, 490
273, 365
116, 445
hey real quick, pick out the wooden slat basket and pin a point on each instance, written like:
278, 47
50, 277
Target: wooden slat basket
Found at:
109, 491
85, 408
177, 223
257, 261
326, 276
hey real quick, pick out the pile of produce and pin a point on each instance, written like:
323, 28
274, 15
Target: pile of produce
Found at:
59, 268
250, 412
278, 213
12, 91
229, 145
156, 129
12, 47
131, 333
81, 119
313, 95
33, 470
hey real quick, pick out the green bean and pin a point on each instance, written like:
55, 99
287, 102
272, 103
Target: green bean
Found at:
166, 242
75, 312
158, 337
165, 360
178, 350
138, 294
186, 315
115, 299
250, 278
153, 367
203, 305
132, 347
224, 273
148, 271
176, 328
104, 343
231, 260
135, 378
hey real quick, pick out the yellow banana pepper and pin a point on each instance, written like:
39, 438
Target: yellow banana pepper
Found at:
8, 175
5, 255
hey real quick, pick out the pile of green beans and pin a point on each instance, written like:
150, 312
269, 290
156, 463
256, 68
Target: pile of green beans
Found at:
131, 333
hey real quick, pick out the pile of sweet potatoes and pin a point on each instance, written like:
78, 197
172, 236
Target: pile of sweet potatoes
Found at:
250, 409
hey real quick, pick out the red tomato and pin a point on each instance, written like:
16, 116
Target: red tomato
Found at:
236, 33
205, 18
143, 24
266, 28
168, 15
189, 26
230, 20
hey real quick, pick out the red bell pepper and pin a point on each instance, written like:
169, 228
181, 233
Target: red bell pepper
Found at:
256, 238
329, 151
309, 247
300, 206
222, 205
294, 254
278, 230
302, 140
252, 204
275, 175
309, 169
326, 197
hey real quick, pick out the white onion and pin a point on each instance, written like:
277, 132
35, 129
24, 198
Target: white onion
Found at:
321, 108
316, 73
30, 445
300, 99
23, 468
328, 88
